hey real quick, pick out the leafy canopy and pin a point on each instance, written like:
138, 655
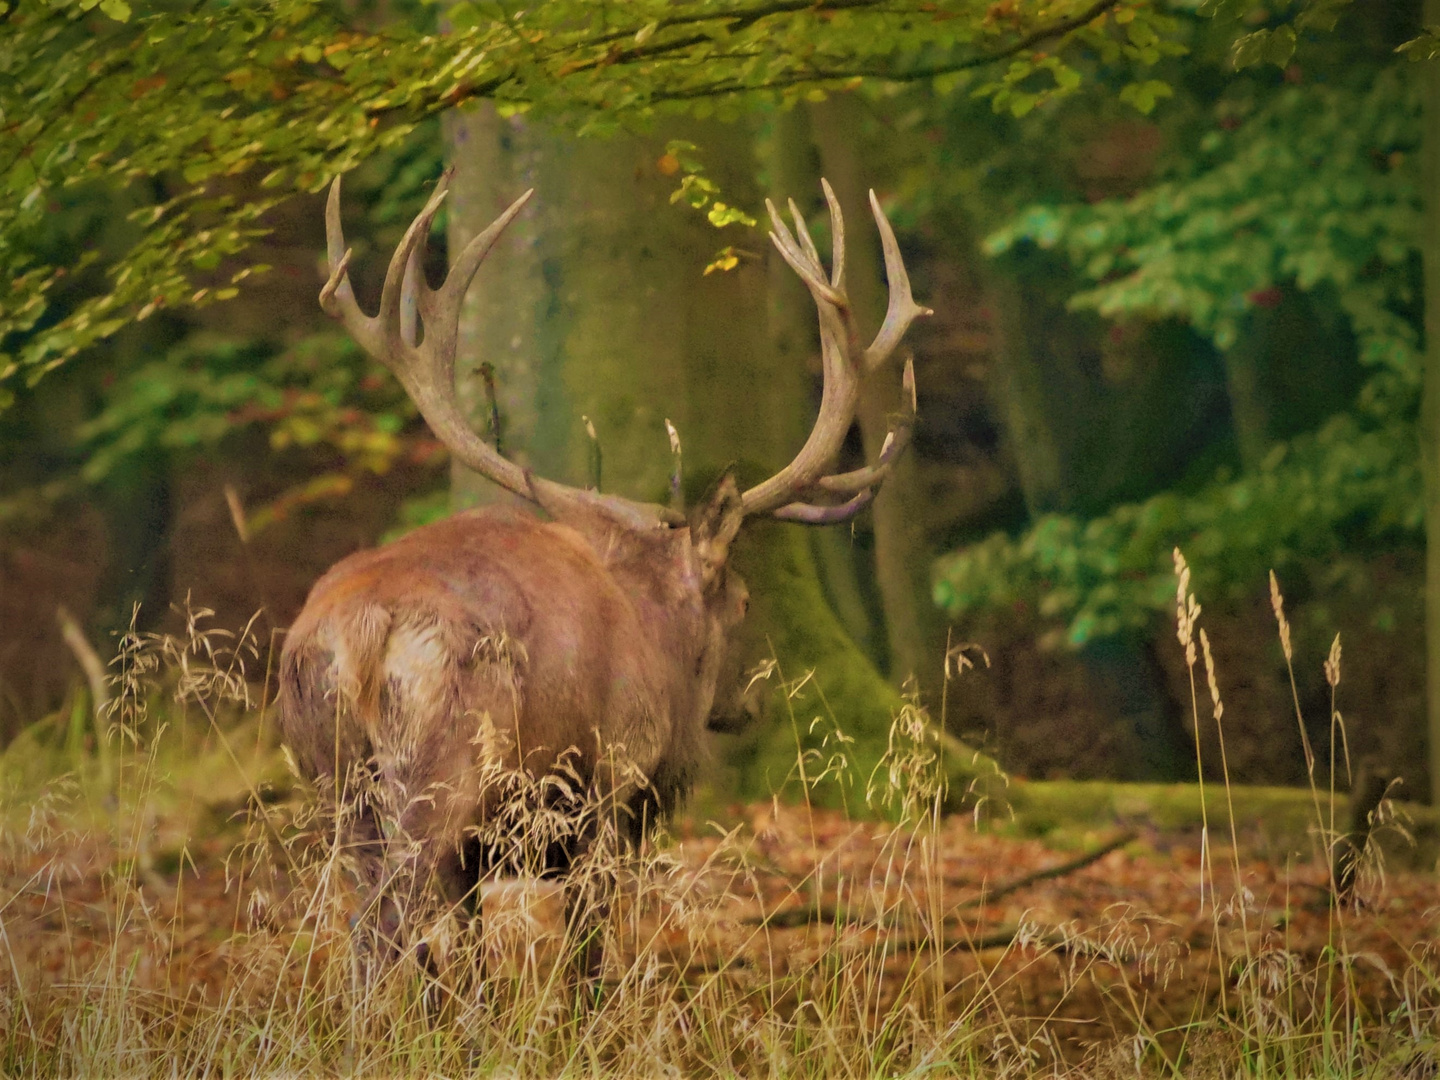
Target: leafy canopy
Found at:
1317, 188
211, 112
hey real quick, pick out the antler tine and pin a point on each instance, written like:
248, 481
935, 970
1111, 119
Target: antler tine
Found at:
837, 238
412, 248
810, 514
807, 267
414, 279
333, 284
843, 364
440, 308
337, 298
802, 233
896, 440
465, 265
337, 254
902, 309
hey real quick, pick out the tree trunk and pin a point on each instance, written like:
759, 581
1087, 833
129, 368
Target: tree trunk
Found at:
508, 315
610, 317
913, 625
1054, 413
794, 173
1022, 381
1430, 402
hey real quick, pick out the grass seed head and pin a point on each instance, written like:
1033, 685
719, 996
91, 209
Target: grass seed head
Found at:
1277, 604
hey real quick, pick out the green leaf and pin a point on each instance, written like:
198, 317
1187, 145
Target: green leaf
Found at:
1143, 95
1321, 15
1021, 104
1281, 46
1066, 78
721, 215
1264, 46
1249, 49
1141, 34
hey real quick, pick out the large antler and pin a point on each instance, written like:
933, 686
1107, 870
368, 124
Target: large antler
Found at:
425, 364
844, 363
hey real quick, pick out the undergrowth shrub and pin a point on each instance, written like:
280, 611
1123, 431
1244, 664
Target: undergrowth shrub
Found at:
106, 971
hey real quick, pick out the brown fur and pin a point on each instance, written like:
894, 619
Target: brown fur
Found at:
554, 648
496, 640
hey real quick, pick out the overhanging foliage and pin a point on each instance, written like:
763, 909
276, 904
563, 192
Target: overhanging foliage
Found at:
1317, 188
213, 112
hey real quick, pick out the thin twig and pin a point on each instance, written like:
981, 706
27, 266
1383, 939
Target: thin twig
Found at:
1049, 873
792, 917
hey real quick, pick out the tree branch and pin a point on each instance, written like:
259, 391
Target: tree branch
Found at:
1049, 873
789, 918
1059, 29
750, 16
747, 18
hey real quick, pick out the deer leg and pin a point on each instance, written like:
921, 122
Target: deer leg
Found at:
587, 909
360, 845
432, 867
590, 878
382, 919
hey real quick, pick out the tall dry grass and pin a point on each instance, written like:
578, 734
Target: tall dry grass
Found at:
106, 968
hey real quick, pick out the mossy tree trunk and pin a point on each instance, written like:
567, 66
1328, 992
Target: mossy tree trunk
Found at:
792, 169
1079, 440
509, 318
1029, 388
914, 628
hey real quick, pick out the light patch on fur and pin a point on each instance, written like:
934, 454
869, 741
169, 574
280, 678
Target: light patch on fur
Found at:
419, 668
356, 643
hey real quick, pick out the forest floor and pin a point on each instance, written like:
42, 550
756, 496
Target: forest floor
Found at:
791, 941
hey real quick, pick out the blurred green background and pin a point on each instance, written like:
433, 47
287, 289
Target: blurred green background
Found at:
1176, 252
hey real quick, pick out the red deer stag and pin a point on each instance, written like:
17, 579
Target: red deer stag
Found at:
498, 637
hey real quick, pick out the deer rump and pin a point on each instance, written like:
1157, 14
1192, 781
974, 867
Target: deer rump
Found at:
488, 645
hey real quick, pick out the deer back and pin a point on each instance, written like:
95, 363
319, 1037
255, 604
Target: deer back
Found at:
493, 639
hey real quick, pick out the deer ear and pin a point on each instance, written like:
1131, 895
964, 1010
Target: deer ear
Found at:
714, 525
